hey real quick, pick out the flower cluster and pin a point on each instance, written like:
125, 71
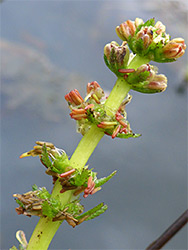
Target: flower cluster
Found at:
116, 57
150, 40
92, 110
39, 202
145, 79
58, 166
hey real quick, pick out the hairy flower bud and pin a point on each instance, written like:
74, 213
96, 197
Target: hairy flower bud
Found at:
150, 40
116, 57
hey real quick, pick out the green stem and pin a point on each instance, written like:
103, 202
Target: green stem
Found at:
46, 229
137, 61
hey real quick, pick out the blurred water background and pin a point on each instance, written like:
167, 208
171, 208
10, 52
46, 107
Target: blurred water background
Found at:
51, 47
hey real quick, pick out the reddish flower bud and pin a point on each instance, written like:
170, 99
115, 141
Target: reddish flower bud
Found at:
74, 98
95, 91
175, 48
125, 30
159, 83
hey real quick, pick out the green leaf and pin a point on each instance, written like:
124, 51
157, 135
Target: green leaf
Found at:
150, 22
74, 208
102, 181
126, 136
98, 212
91, 211
43, 193
20, 203
34, 187
51, 207
80, 177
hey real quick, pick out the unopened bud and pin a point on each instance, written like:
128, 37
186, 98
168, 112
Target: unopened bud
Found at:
116, 57
160, 28
74, 98
174, 49
94, 91
138, 21
145, 80
158, 84
126, 30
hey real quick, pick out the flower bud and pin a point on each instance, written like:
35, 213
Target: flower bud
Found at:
94, 91
116, 57
126, 30
145, 80
159, 83
174, 49
74, 98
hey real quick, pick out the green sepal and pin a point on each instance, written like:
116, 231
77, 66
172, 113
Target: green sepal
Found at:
94, 212
102, 181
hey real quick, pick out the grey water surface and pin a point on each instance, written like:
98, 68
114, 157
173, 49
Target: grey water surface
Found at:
51, 47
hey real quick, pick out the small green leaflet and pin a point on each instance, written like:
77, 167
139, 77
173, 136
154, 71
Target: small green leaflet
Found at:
102, 181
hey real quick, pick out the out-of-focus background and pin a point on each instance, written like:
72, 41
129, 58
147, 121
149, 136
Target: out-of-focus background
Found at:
51, 47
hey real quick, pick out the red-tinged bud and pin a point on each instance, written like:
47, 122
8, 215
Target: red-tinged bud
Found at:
74, 98
126, 29
68, 173
90, 187
92, 86
90, 106
174, 49
138, 21
116, 56
107, 125
95, 91
116, 131
160, 28
146, 80
159, 83
78, 116
126, 71
123, 130
78, 111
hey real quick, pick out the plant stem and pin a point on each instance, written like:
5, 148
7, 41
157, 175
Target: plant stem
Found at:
46, 229
137, 61
170, 232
